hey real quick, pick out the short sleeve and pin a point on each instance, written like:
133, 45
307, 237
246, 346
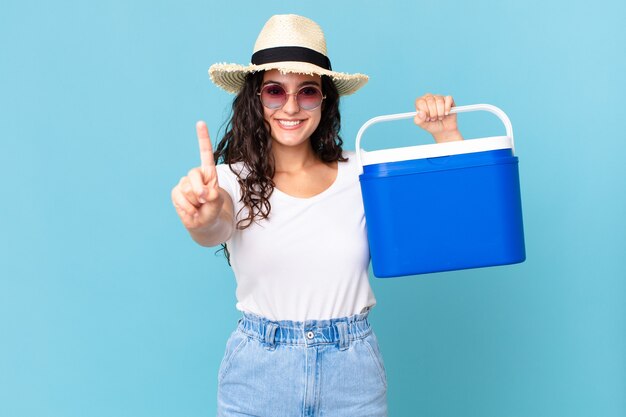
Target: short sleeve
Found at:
228, 181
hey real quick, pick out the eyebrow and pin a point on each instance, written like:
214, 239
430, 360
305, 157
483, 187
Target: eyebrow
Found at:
315, 83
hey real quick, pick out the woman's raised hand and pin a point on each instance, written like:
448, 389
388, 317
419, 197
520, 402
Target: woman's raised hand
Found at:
433, 115
197, 196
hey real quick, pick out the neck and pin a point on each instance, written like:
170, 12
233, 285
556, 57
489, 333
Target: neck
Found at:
290, 159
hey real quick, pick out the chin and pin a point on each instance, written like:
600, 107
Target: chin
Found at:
291, 142
291, 137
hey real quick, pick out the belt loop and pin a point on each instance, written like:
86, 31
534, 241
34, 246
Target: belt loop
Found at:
342, 330
270, 332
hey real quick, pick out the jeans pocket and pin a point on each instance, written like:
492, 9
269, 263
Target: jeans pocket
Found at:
371, 343
235, 343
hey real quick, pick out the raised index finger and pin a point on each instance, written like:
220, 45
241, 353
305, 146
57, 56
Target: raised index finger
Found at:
206, 150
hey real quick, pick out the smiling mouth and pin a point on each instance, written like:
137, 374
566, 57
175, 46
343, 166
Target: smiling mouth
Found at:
289, 123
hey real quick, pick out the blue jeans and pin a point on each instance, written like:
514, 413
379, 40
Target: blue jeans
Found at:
329, 368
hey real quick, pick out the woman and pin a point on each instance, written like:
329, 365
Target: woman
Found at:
286, 202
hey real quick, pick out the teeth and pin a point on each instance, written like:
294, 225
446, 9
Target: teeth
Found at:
289, 122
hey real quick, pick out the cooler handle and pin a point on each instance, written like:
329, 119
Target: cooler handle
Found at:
457, 109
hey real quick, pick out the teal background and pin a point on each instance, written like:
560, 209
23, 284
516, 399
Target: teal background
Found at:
108, 308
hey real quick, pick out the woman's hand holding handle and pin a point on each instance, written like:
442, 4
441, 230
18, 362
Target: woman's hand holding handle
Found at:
433, 115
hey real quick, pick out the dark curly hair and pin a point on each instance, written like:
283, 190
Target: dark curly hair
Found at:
248, 139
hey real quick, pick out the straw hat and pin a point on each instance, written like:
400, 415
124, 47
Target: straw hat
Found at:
288, 43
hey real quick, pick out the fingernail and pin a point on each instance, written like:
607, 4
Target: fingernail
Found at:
201, 200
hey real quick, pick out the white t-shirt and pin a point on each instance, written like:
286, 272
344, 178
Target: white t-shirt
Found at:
309, 259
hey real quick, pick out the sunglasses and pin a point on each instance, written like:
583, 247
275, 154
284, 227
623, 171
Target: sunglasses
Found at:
274, 96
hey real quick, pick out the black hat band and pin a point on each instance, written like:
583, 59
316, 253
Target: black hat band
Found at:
290, 53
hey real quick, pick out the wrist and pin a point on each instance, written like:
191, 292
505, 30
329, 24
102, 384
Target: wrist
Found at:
213, 233
203, 231
448, 136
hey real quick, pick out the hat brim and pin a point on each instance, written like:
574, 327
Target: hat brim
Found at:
231, 77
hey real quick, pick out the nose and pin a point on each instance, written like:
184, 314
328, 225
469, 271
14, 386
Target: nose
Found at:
291, 106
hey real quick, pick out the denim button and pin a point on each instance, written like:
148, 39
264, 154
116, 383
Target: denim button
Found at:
310, 335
